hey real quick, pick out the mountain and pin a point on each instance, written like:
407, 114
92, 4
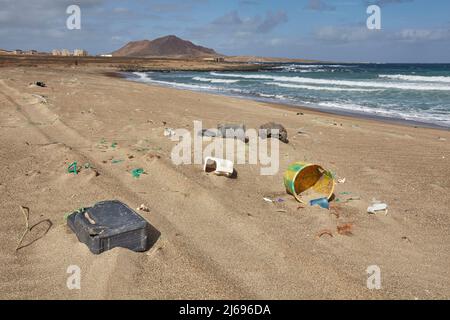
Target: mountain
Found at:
163, 47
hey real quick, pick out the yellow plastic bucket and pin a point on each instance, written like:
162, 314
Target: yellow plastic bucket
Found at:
302, 177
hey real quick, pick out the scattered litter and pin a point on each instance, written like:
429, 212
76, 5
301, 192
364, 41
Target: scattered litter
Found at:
341, 181
210, 133
273, 130
308, 182
406, 239
280, 200
111, 224
88, 217
73, 168
268, 200
87, 165
169, 132
137, 172
40, 84
301, 207
322, 202
345, 193
325, 232
338, 200
378, 207
116, 161
219, 166
345, 229
232, 131
114, 145
144, 208
282, 211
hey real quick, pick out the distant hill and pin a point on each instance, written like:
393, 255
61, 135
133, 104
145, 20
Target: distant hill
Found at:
169, 46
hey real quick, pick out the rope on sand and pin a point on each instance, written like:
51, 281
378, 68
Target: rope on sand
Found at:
27, 224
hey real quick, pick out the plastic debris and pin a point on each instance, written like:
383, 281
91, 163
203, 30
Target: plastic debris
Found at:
345, 229
307, 181
378, 207
144, 208
273, 130
221, 167
325, 232
322, 202
137, 172
73, 168
114, 145
341, 181
116, 161
210, 133
169, 132
232, 131
40, 84
111, 224
268, 200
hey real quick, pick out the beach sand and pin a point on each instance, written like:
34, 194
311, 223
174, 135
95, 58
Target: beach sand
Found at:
218, 237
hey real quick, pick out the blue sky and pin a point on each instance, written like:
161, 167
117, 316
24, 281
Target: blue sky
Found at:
412, 30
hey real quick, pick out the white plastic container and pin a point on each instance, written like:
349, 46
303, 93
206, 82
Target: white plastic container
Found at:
221, 167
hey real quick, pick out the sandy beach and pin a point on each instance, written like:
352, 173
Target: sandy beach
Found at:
217, 237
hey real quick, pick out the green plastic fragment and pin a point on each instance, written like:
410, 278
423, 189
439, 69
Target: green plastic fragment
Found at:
137, 172
115, 161
73, 168
114, 144
79, 210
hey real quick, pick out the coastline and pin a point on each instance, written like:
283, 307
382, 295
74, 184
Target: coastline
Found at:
219, 238
298, 107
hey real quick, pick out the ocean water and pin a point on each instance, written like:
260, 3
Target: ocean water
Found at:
411, 92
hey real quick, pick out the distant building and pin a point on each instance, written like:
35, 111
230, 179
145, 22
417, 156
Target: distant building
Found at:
31, 52
214, 59
18, 51
80, 53
65, 53
106, 55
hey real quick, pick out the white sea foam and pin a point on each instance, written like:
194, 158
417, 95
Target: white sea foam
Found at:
386, 111
145, 78
214, 80
415, 78
298, 86
345, 83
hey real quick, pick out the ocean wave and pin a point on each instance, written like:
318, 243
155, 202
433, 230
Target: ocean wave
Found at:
386, 111
214, 80
143, 77
415, 78
345, 83
297, 86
